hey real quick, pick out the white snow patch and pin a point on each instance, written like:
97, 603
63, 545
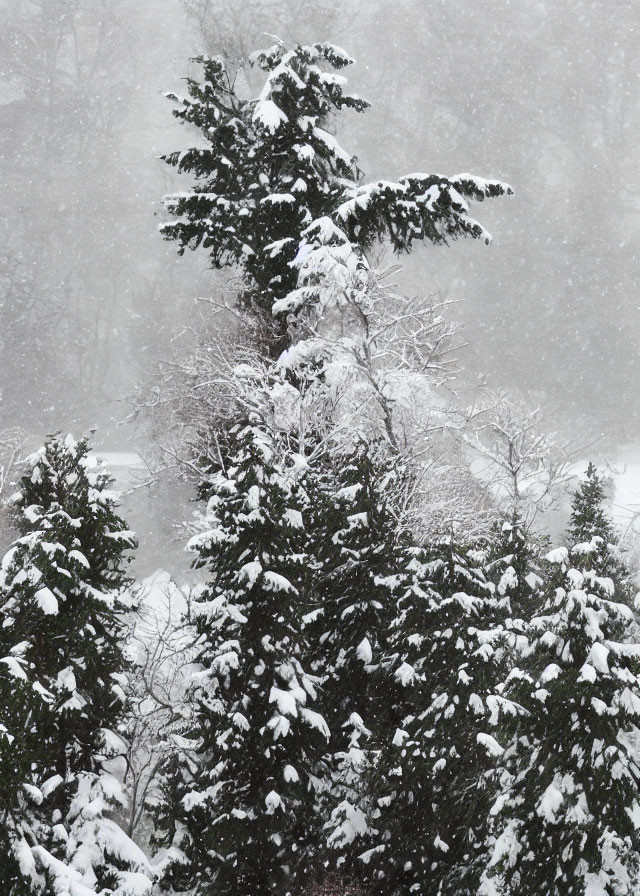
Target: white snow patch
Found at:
490, 743
269, 115
364, 651
273, 581
47, 601
273, 801
550, 803
558, 555
250, 572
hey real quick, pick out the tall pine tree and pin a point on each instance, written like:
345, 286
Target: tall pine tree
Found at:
358, 551
271, 174
276, 196
62, 606
434, 783
594, 544
568, 819
244, 819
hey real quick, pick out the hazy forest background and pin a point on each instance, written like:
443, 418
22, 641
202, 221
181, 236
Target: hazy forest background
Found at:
346, 474
543, 95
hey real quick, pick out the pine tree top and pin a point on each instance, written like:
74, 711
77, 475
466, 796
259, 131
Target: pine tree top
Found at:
62, 582
65, 492
568, 817
61, 641
593, 542
588, 518
271, 170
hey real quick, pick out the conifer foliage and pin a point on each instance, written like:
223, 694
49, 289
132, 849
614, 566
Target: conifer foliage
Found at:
449, 642
482, 707
277, 196
568, 820
247, 821
588, 519
270, 167
273, 183
513, 565
62, 680
592, 536
358, 550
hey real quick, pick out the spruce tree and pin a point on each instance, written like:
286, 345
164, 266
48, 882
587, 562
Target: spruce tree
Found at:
272, 179
513, 565
434, 781
356, 547
20, 700
588, 517
63, 606
246, 813
593, 541
568, 819
270, 167
358, 553
276, 196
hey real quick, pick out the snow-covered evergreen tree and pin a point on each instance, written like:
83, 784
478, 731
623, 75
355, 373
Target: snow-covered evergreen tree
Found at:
278, 197
358, 550
270, 167
272, 182
450, 643
594, 544
243, 818
513, 565
19, 700
62, 607
588, 517
356, 547
568, 819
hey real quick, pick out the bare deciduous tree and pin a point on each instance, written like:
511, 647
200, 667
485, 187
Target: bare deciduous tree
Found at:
12, 450
162, 647
521, 465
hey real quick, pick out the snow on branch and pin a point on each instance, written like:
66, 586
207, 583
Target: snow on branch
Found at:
418, 207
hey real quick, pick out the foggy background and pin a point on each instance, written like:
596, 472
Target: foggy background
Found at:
543, 95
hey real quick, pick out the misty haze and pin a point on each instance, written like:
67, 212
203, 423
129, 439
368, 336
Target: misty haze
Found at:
319, 447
